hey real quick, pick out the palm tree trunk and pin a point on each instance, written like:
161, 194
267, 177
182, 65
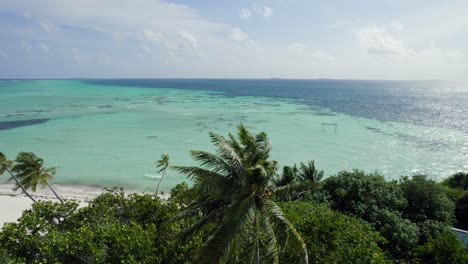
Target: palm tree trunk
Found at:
257, 249
20, 185
52, 189
257, 252
160, 180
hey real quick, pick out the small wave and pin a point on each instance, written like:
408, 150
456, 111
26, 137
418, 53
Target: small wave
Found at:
15, 114
152, 176
104, 106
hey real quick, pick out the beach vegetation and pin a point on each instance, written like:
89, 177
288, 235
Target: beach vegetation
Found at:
238, 209
162, 164
114, 228
445, 248
332, 237
458, 180
31, 172
301, 183
234, 199
5, 166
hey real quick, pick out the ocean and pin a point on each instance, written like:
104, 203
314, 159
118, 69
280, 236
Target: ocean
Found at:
109, 132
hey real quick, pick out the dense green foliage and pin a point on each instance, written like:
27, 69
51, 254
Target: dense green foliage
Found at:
112, 229
233, 198
162, 166
461, 212
458, 192
445, 248
6, 167
301, 183
240, 211
332, 237
459, 180
407, 213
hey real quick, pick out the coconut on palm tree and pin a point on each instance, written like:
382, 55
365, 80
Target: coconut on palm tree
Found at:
235, 201
5, 165
30, 171
162, 164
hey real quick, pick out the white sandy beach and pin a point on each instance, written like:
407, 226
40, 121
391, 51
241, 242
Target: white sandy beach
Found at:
12, 204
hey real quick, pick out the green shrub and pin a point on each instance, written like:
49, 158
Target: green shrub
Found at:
461, 212
332, 237
458, 180
114, 228
445, 248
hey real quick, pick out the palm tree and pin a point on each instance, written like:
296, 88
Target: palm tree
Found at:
162, 164
5, 166
29, 169
234, 201
308, 173
287, 183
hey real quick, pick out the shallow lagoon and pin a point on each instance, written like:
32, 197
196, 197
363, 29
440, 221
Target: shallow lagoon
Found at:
107, 135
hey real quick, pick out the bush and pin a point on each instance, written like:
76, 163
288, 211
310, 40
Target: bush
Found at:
427, 200
379, 202
445, 248
461, 212
361, 194
457, 181
332, 237
114, 228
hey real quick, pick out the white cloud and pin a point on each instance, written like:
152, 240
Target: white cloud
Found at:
48, 26
343, 24
151, 36
79, 56
189, 38
266, 11
245, 13
175, 40
116, 17
397, 26
302, 50
296, 47
145, 48
44, 47
376, 40
318, 54
238, 35
3, 55
27, 47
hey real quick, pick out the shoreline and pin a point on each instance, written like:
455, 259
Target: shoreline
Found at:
13, 203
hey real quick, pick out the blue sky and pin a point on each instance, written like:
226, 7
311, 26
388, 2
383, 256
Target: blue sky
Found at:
361, 39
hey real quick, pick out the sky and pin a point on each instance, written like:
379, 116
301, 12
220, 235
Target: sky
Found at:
307, 39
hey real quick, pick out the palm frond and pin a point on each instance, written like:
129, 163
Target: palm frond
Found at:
272, 245
228, 153
210, 161
187, 233
281, 223
163, 163
236, 217
3, 163
205, 181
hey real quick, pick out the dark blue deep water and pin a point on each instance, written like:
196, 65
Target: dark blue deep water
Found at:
427, 103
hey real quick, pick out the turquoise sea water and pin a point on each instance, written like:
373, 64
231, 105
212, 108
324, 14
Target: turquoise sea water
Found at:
109, 133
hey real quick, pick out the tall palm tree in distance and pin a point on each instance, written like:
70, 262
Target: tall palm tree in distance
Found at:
235, 201
31, 172
308, 173
5, 166
162, 164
